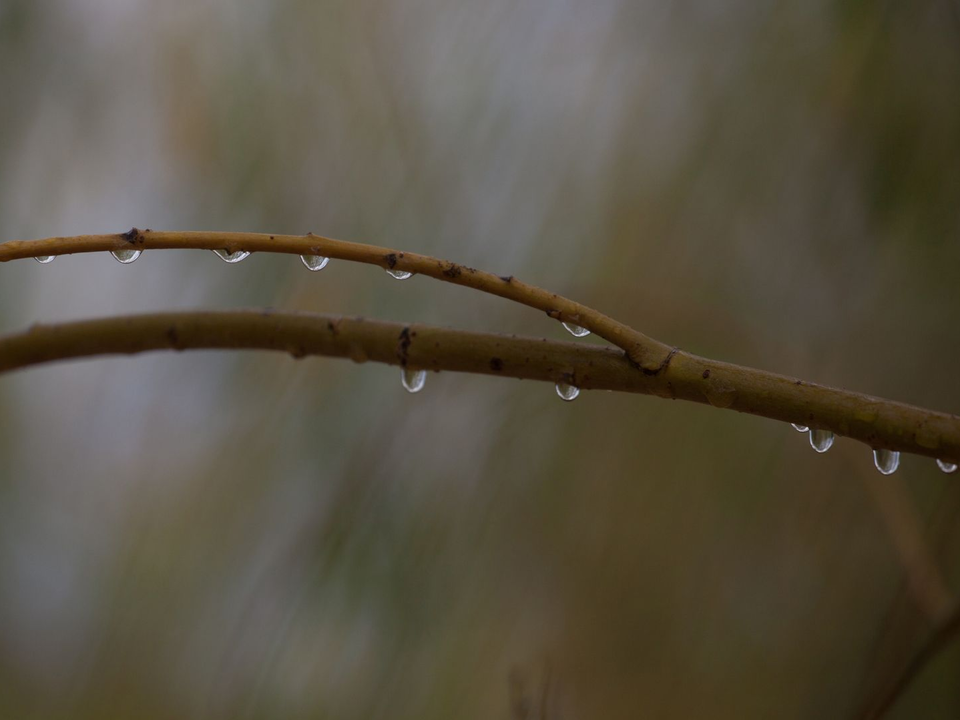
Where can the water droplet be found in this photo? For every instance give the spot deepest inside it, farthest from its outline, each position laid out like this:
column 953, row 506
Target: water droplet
column 575, row 330
column 947, row 467
column 721, row 395
column 567, row 391
column 413, row 380
column 821, row 440
column 399, row 274
column 800, row 428
column 314, row 262
column 887, row 461
column 232, row 257
column 126, row 256
column 44, row 259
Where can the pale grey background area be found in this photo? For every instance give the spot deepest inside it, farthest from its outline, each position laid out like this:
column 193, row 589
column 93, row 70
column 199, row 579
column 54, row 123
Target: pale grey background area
column 241, row 535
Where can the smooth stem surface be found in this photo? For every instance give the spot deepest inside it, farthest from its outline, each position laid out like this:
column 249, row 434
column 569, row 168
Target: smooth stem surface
column 877, row 422
column 650, row 355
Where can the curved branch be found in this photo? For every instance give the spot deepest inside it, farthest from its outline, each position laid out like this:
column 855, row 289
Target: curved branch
column 649, row 354
column 877, row 422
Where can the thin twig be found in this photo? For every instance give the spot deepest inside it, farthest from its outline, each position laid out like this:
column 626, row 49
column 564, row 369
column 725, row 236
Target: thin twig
column 877, row 422
column 650, row 355
column 942, row 635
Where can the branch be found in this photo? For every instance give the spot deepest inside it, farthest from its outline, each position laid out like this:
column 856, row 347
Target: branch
column 940, row 638
column 877, row 422
column 650, row 355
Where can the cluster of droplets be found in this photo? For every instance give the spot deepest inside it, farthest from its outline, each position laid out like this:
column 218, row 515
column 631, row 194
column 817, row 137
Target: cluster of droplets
column 886, row 461
column 820, row 440
column 124, row 257
column 568, row 391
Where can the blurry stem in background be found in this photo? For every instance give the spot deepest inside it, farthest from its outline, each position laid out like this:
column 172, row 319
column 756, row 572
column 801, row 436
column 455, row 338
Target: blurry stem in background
column 877, row 422
column 942, row 635
column 924, row 580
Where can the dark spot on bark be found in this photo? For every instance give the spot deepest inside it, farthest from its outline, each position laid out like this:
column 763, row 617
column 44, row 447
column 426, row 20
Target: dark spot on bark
column 174, row 337
column 309, row 234
column 391, row 259
column 555, row 314
column 496, row 364
column 271, row 237
column 799, row 382
column 133, row 235
column 403, row 346
column 333, row 326
column 706, row 374
column 452, row 270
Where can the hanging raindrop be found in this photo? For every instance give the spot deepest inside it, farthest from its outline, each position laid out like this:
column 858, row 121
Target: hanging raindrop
column 567, row 391
column 575, row 330
column 126, row 257
column 947, row 467
column 399, row 274
column 232, row 257
column 821, row 440
column 314, row 262
column 800, row 428
column 44, row 259
column 887, row 461
column 413, row 380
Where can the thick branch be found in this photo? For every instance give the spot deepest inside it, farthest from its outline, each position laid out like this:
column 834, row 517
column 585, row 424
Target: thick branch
column 877, row 422
column 648, row 354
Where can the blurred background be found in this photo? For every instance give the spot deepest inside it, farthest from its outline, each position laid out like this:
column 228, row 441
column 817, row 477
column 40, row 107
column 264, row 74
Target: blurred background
column 214, row 535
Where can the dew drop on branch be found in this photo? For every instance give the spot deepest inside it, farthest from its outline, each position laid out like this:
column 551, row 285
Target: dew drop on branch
column 887, row 461
column 947, row 467
column 44, row 259
column 314, row 262
column 567, row 391
column 821, row 440
column 800, row 428
column 232, row 257
column 413, row 380
column 126, row 257
column 399, row 274
column 575, row 330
